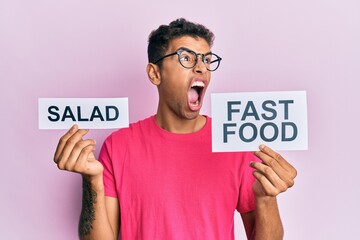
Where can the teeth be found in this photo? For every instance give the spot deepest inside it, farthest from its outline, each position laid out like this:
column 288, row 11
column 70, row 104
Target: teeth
column 197, row 84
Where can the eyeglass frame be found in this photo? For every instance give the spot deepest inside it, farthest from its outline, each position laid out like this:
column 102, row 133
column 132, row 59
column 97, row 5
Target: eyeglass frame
column 178, row 52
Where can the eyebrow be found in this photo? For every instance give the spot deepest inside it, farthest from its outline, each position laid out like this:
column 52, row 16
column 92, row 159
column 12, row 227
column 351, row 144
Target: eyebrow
column 187, row 49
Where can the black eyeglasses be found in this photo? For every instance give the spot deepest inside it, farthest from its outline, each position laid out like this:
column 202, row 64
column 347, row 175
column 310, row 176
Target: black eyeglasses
column 189, row 59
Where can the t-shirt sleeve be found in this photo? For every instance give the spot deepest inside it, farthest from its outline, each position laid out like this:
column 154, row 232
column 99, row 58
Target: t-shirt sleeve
column 108, row 175
column 246, row 201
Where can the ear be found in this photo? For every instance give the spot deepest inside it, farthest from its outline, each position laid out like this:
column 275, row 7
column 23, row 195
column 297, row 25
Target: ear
column 153, row 72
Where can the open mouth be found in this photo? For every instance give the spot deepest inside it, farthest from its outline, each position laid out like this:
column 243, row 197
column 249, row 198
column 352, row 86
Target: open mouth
column 195, row 93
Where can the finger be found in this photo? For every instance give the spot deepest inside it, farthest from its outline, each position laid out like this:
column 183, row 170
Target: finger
column 270, row 175
column 81, row 165
column 70, row 161
column 63, row 141
column 286, row 174
column 266, row 185
column 70, row 143
column 269, row 161
column 268, row 156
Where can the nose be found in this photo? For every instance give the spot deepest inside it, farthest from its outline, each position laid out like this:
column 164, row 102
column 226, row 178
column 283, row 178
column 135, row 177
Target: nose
column 200, row 65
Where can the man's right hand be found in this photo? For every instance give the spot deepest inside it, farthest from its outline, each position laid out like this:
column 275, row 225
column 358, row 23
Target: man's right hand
column 77, row 155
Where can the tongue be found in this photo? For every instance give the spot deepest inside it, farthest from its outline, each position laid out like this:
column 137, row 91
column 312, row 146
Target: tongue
column 193, row 96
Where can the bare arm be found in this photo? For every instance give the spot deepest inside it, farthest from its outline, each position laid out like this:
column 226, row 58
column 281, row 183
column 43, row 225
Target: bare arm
column 263, row 223
column 274, row 175
column 248, row 219
column 99, row 214
column 99, row 218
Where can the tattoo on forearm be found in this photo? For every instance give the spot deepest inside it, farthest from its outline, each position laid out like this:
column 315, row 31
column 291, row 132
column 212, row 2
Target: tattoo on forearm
column 87, row 216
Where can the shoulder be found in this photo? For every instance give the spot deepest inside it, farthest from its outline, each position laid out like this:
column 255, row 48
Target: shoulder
column 122, row 139
column 134, row 129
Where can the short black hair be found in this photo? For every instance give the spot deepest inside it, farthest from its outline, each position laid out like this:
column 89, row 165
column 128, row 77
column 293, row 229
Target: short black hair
column 160, row 38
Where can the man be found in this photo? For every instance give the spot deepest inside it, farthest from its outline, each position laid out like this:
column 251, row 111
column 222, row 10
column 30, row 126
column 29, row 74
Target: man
column 158, row 179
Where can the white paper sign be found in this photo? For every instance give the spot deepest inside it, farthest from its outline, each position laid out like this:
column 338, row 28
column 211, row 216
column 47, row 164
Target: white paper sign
column 243, row 121
column 90, row 113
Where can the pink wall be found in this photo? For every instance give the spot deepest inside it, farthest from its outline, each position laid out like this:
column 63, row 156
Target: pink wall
column 98, row 49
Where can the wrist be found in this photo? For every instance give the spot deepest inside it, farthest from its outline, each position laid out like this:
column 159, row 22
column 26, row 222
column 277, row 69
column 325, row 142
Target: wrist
column 265, row 201
column 96, row 182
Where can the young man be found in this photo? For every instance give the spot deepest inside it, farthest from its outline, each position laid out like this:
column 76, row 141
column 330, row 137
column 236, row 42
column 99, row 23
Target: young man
column 158, row 179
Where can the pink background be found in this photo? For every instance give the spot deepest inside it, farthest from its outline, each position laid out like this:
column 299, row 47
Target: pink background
column 98, row 49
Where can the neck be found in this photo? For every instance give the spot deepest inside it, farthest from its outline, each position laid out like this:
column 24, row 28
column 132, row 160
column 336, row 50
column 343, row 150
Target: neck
column 176, row 124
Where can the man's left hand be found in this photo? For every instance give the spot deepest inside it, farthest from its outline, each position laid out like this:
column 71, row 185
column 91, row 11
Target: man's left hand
column 274, row 174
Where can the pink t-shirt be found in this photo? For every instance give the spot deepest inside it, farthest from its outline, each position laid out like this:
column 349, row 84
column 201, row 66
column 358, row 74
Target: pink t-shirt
column 172, row 186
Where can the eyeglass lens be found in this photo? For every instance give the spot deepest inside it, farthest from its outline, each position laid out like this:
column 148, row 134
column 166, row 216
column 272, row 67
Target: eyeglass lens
column 188, row 59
